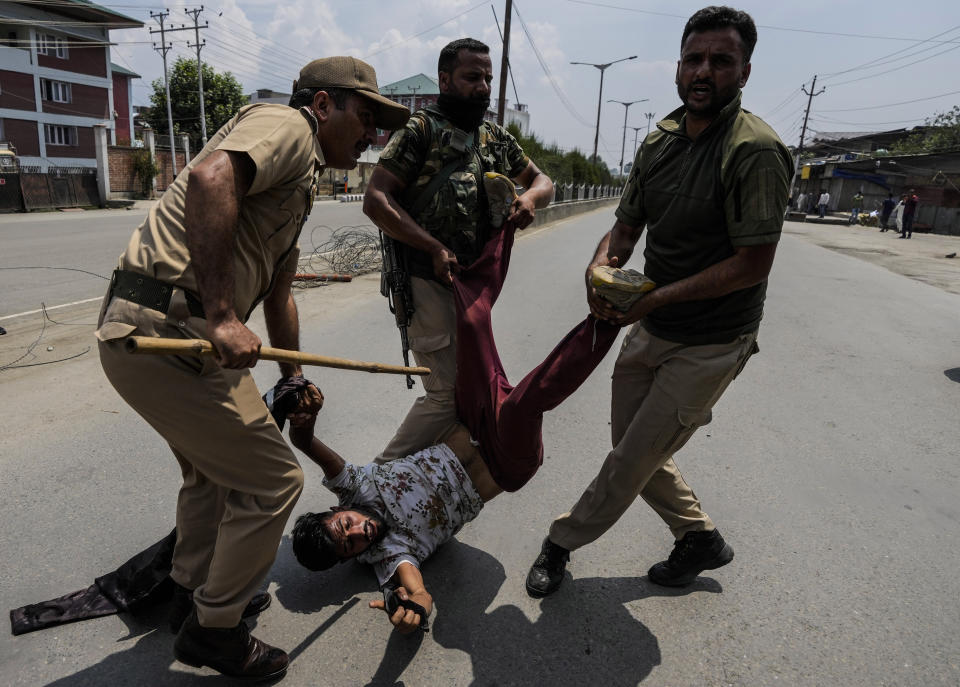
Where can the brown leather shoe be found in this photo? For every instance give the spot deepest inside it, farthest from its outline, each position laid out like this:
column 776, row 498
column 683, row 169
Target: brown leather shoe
column 231, row 651
column 182, row 604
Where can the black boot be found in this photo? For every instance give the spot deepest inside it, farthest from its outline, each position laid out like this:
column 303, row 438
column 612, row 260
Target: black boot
column 182, row 604
column 231, row 651
column 546, row 573
column 696, row 552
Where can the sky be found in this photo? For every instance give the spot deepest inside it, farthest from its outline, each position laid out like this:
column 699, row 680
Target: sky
column 885, row 64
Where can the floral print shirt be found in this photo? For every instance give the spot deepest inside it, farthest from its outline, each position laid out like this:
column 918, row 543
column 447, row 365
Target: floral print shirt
column 425, row 499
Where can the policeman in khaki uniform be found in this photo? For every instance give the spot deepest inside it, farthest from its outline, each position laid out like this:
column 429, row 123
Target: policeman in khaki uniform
column 450, row 228
column 221, row 240
column 710, row 186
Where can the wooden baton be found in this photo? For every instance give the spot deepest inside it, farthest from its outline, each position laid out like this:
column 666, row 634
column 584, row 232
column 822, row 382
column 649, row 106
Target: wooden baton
column 202, row 347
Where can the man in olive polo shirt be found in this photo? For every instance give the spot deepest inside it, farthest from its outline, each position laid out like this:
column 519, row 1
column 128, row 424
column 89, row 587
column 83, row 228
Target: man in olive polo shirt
column 710, row 185
column 221, row 240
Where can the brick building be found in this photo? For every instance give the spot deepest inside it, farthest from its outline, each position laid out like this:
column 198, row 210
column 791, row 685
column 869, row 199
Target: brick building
column 57, row 81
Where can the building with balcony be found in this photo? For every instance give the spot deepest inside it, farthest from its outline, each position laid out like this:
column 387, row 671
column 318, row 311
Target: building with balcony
column 57, row 81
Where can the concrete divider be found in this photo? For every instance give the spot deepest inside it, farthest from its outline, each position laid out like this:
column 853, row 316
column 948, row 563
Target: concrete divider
column 559, row 211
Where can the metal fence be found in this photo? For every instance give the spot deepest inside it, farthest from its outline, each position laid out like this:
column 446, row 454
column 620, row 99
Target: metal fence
column 569, row 192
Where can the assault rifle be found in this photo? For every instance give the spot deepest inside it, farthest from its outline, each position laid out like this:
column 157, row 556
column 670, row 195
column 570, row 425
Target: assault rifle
column 395, row 285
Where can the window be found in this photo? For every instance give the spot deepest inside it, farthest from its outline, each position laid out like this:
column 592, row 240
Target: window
column 57, row 91
column 58, row 135
column 52, row 45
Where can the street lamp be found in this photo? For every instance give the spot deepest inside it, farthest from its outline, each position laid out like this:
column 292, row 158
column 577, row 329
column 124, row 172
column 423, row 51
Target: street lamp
column 602, row 68
column 636, row 130
column 626, row 108
column 649, row 116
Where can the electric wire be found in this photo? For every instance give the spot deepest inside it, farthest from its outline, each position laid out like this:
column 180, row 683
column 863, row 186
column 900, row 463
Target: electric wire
column 881, row 60
column 427, row 30
column 895, row 69
column 546, row 70
column 902, row 102
column 764, row 26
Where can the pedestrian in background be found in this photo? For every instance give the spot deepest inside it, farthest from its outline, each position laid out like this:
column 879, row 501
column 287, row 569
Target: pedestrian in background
column 909, row 211
column 886, row 210
column 857, row 207
column 823, row 202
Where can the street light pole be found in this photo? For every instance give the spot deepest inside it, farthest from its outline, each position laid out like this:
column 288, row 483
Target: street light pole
column 636, row 131
column 626, row 108
column 649, row 116
column 602, row 68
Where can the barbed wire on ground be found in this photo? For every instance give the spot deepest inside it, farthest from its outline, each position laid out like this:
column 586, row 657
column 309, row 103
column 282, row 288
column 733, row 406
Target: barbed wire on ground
column 350, row 250
column 12, row 365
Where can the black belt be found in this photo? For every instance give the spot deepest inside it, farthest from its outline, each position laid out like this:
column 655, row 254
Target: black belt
column 149, row 292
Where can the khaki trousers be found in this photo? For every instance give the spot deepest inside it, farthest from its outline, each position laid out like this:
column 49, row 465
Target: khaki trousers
column 433, row 340
column 662, row 393
column 240, row 479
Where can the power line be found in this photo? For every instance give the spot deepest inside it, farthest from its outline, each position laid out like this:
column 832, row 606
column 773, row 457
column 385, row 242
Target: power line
column 417, row 35
column 762, row 26
column 546, row 70
column 895, row 69
column 880, row 61
column 789, row 98
column 902, row 102
column 895, row 121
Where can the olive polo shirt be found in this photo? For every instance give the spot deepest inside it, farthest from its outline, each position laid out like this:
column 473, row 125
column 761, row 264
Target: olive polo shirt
column 700, row 200
column 282, row 144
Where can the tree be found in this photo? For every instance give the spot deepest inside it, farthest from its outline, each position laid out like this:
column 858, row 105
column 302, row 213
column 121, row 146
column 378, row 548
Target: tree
column 572, row 167
column 222, row 97
column 941, row 133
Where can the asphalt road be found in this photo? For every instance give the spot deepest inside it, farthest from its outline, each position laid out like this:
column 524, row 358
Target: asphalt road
column 831, row 466
column 63, row 257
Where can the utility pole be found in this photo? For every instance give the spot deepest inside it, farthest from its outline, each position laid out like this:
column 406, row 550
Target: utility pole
column 509, row 68
column 504, row 63
column 198, row 45
column 626, row 109
column 602, row 68
column 810, row 95
column 163, row 50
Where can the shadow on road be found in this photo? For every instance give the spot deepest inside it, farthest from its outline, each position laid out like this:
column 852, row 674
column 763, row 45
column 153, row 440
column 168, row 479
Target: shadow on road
column 953, row 374
column 584, row 635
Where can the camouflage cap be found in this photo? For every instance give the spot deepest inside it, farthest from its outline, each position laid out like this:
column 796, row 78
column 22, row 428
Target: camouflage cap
column 358, row 76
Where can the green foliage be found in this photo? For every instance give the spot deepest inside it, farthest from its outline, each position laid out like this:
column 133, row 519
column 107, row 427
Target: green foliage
column 145, row 169
column 572, row 167
column 942, row 133
column 222, row 97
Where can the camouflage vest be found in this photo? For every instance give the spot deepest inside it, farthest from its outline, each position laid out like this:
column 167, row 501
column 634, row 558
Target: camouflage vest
column 457, row 215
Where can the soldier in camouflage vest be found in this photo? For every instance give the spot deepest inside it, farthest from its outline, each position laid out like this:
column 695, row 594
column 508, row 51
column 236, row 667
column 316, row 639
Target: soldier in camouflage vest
column 452, row 141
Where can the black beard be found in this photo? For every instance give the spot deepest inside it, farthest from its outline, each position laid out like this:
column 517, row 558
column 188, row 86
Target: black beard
column 465, row 113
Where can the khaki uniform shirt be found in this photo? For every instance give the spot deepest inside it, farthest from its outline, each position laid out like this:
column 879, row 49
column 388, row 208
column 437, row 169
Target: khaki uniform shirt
column 281, row 142
column 700, row 200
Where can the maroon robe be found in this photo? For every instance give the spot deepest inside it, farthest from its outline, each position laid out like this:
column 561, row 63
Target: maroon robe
column 506, row 420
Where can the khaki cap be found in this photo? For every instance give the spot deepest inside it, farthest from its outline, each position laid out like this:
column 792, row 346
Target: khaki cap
column 358, row 76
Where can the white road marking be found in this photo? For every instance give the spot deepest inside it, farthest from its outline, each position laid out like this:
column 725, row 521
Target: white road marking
column 52, row 307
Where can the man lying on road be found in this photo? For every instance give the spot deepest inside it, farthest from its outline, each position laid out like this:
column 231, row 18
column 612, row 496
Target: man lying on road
column 395, row 515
